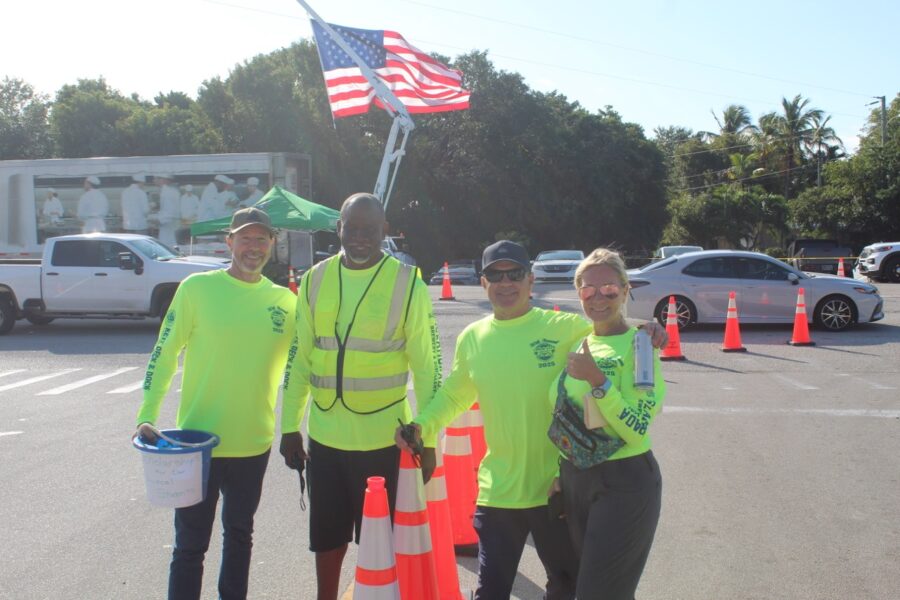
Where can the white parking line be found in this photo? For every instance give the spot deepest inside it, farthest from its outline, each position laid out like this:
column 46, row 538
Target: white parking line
column 83, row 382
column 797, row 384
column 872, row 384
column 2, row 433
column 125, row 389
column 13, row 372
column 828, row 412
column 25, row 382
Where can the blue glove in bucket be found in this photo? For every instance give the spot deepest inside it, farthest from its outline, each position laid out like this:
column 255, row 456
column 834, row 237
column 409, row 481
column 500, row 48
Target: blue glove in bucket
column 176, row 467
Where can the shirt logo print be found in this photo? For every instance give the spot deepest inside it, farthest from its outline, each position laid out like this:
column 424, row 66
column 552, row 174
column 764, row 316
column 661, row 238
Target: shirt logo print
column 278, row 316
column 544, row 350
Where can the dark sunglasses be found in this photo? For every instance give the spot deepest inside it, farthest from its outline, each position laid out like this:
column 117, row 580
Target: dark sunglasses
column 493, row 276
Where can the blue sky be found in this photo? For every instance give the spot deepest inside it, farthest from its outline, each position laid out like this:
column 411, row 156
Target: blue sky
column 657, row 62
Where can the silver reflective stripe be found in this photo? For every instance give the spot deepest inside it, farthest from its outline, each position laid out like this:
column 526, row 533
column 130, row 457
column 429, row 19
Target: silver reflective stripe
column 360, row 384
column 362, row 344
column 315, row 284
column 398, row 299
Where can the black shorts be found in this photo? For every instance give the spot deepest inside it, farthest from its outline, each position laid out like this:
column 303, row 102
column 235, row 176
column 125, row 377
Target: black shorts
column 337, row 488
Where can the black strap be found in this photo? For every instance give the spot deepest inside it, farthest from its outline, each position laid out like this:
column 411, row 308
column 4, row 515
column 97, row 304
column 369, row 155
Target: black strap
column 342, row 343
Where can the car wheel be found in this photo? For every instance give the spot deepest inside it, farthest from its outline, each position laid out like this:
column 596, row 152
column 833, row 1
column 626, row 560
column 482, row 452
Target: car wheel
column 684, row 309
column 835, row 313
column 892, row 270
column 7, row 316
column 39, row 319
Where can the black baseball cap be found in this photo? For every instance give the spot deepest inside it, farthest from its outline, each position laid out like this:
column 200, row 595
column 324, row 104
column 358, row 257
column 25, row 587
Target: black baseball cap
column 250, row 216
column 505, row 250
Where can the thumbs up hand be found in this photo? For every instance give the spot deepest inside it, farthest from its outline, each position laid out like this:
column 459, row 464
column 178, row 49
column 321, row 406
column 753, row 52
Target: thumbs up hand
column 581, row 365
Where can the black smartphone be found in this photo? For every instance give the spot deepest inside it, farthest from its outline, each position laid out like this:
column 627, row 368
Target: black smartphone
column 555, row 506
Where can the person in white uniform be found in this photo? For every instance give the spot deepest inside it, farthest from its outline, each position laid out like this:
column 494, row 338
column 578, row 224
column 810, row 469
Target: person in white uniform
column 215, row 194
column 254, row 194
column 135, row 206
column 52, row 209
column 169, row 209
column 190, row 205
column 93, row 206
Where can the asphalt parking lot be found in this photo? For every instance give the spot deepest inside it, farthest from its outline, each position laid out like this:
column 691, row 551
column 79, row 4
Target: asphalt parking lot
column 781, row 468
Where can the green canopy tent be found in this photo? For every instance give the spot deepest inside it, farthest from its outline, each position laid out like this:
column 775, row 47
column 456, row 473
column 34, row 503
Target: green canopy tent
column 287, row 211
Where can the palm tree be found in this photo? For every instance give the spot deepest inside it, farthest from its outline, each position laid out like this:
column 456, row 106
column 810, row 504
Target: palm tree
column 821, row 135
column 795, row 129
column 734, row 126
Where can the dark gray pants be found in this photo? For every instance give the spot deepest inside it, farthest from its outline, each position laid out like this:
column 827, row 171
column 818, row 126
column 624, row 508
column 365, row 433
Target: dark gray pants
column 612, row 510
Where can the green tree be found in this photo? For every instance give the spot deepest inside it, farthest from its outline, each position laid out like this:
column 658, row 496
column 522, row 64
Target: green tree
column 85, row 117
column 795, row 130
column 739, row 218
column 24, row 130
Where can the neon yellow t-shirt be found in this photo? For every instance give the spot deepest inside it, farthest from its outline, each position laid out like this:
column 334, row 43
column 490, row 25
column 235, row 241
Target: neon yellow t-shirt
column 236, row 337
column 339, row 427
column 508, row 366
column 627, row 411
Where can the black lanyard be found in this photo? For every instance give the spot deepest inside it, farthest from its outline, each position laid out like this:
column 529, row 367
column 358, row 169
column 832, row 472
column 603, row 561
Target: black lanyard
column 342, row 343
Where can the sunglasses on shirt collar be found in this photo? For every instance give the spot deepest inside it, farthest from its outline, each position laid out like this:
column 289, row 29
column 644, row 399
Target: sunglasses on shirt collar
column 496, row 275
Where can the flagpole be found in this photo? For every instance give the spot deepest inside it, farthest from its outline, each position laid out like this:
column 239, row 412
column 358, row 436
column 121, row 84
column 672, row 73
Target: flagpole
column 389, row 101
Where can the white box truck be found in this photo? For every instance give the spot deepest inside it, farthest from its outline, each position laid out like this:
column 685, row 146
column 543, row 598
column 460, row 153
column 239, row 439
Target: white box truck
column 40, row 199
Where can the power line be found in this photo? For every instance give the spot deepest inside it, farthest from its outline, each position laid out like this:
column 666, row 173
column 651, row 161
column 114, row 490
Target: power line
column 574, row 69
column 631, row 49
column 751, row 178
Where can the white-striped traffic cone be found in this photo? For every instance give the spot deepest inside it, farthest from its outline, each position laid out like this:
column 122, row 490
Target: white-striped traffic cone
column 412, row 537
column 376, row 570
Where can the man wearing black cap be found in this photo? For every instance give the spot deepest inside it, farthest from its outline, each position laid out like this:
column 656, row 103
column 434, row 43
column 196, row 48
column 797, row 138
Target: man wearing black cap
column 235, row 327
column 507, row 361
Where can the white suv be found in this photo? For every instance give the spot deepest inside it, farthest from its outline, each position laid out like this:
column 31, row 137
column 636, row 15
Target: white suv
column 880, row 261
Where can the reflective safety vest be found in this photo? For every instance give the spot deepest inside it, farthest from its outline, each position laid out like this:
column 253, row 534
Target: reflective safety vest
column 368, row 370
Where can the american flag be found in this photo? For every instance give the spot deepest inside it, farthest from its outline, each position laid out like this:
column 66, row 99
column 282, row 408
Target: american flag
column 421, row 83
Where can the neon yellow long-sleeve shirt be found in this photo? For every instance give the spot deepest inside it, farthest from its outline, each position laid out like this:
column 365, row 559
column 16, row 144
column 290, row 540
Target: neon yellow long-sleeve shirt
column 235, row 336
column 627, row 411
column 508, row 366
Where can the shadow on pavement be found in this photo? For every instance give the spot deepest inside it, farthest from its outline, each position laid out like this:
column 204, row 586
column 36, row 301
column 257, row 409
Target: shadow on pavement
column 73, row 336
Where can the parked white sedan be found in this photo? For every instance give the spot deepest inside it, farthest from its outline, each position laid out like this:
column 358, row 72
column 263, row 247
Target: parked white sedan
column 766, row 291
column 556, row 265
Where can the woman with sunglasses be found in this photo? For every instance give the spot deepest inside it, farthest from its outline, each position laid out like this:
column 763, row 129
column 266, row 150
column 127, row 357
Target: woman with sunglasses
column 612, row 507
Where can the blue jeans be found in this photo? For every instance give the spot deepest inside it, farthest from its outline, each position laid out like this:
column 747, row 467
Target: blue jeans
column 502, row 533
column 240, row 482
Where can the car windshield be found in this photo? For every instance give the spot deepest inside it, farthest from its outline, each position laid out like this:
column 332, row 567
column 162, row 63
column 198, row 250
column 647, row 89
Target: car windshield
column 668, row 251
column 561, row 255
column 155, row 249
column 655, row 265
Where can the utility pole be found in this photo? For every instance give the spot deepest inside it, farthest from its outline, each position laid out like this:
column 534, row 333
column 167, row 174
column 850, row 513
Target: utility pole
column 883, row 100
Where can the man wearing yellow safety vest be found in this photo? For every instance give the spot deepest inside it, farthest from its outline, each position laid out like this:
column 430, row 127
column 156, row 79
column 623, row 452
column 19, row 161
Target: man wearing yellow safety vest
column 364, row 321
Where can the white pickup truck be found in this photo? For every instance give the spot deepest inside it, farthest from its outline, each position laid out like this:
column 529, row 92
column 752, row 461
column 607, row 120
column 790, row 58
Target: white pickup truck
column 95, row 276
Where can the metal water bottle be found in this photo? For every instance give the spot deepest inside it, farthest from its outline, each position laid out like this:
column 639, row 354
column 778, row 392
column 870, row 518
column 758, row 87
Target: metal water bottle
column 643, row 361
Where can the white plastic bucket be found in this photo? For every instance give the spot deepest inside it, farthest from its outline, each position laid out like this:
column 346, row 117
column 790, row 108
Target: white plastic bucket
column 176, row 466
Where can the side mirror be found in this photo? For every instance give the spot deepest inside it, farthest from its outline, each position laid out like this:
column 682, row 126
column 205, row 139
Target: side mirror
column 126, row 261
column 792, row 277
column 130, row 262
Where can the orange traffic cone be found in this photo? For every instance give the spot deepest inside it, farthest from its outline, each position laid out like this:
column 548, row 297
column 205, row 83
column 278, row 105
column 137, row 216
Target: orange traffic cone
column 442, row 532
column 292, row 282
column 476, row 436
column 801, row 326
column 412, row 537
column 376, row 571
column 446, row 290
column 732, row 341
column 462, row 488
column 841, row 272
column 672, row 351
